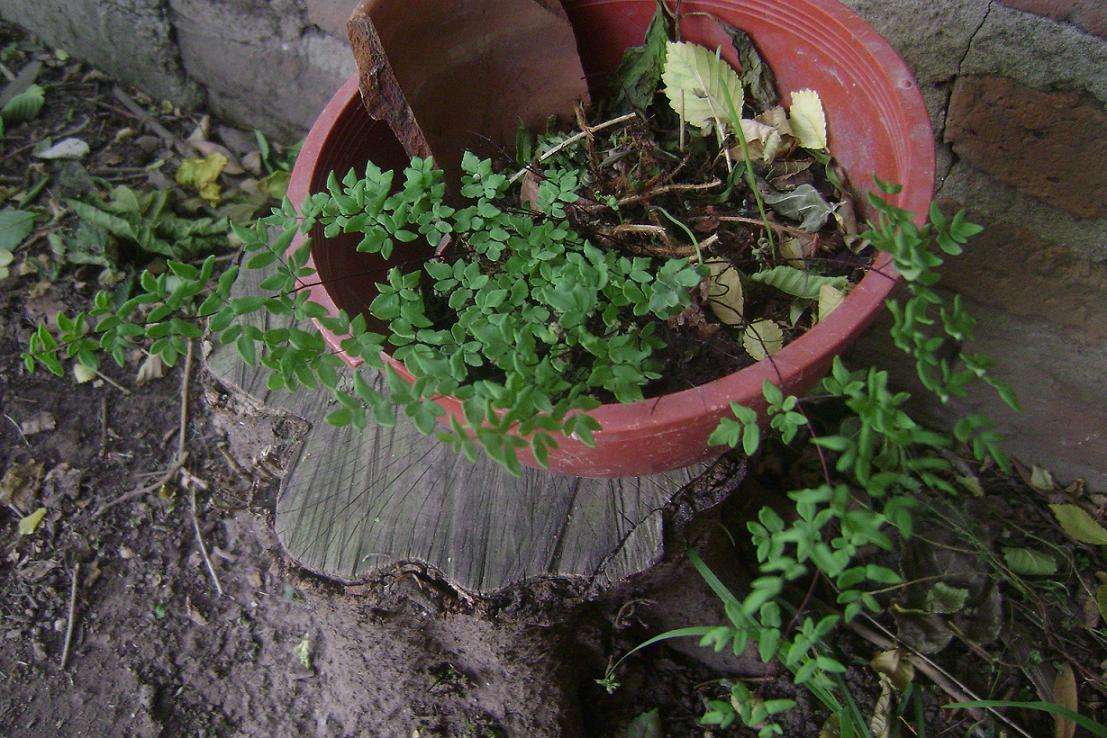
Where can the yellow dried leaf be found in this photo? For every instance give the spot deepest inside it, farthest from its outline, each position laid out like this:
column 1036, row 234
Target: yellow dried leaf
column 29, row 523
column 1064, row 694
column 82, row 374
column 762, row 141
column 1040, row 479
column 808, row 119
column 793, row 251
column 830, row 297
column 725, row 292
column 762, row 339
column 697, row 85
column 202, row 175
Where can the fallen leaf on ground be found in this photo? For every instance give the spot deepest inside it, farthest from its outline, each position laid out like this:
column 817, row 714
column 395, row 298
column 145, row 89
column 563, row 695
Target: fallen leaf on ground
column 202, row 175
column 808, row 119
column 943, row 599
column 37, row 423
column 15, row 225
column 804, row 205
column 152, row 368
column 1080, row 525
column 82, row 374
column 762, row 141
column 1064, row 694
column 1040, row 479
column 302, row 651
column 69, row 148
column 1028, row 562
column 646, row 725
column 29, row 523
column 21, row 483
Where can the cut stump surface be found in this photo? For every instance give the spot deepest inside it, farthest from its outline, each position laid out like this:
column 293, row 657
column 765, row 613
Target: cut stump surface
column 355, row 504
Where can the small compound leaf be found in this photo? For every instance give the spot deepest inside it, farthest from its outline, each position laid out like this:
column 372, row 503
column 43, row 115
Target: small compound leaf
column 697, row 84
column 944, row 599
column 808, row 119
column 1029, row 563
column 29, row 523
column 762, row 339
column 725, row 293
column 1080, row 525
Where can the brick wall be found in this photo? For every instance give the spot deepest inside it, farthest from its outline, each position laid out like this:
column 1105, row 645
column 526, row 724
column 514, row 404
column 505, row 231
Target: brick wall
column 1016, row 88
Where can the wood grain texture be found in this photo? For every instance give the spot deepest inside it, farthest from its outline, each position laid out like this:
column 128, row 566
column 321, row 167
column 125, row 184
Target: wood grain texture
column 356, row 503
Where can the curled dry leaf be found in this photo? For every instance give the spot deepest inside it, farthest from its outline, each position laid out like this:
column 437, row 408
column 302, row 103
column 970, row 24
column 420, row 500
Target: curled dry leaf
column 82, row 374
column 152, row 368
column 762, row 141
column 762, row 339
column 725, row 294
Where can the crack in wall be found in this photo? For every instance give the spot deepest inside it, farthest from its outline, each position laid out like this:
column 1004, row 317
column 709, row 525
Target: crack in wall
column 941, row 135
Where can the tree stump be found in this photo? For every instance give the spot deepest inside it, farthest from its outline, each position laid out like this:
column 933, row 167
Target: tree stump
column 355, row 504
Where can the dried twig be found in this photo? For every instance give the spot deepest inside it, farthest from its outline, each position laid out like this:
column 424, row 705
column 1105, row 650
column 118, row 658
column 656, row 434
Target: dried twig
column 200, row 543
column 946, row 681
column 572, row 140
column 19, row 429
column 666, row 189
column 113, row 383
column 143, row 491
column 151, row 122
column 185, row 380
column 72, row 616
column 103, row 425
column 778, row 227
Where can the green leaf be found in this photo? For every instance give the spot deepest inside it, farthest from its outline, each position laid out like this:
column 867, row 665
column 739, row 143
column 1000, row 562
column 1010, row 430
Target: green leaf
column 695, row 80
column 639, row 74
column 15, row 225
column 798, row 282
column 1028, row 562
column 1080, row 525
column 946, row 600
column 24, row 106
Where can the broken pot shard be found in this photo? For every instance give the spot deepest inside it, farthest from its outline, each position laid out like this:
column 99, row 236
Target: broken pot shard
column 451, row 75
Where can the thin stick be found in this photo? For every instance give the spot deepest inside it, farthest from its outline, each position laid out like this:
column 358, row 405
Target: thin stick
column 150, row 121
column 664, row 190
column 765, row 224
column 104, row 425
column 572, row 140
column 72, row 616
column 185, row 379
column 113, row 383
column 143, row 491
column 19, row 429
column 935, row 673
column 200, row 543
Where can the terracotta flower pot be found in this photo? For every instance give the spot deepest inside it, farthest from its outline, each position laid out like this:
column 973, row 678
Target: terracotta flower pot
column 878, row 125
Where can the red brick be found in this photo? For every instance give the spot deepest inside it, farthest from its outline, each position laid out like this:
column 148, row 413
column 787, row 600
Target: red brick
column 1049, row 145
column 1088, row 15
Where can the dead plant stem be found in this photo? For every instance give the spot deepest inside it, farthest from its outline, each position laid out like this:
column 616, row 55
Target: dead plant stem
column 200, row 542
column 72, row 616
column 572, row 140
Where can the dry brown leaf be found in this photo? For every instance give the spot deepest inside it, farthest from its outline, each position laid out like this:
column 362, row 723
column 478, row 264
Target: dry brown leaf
column 1064, row 694
column 725, row 295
